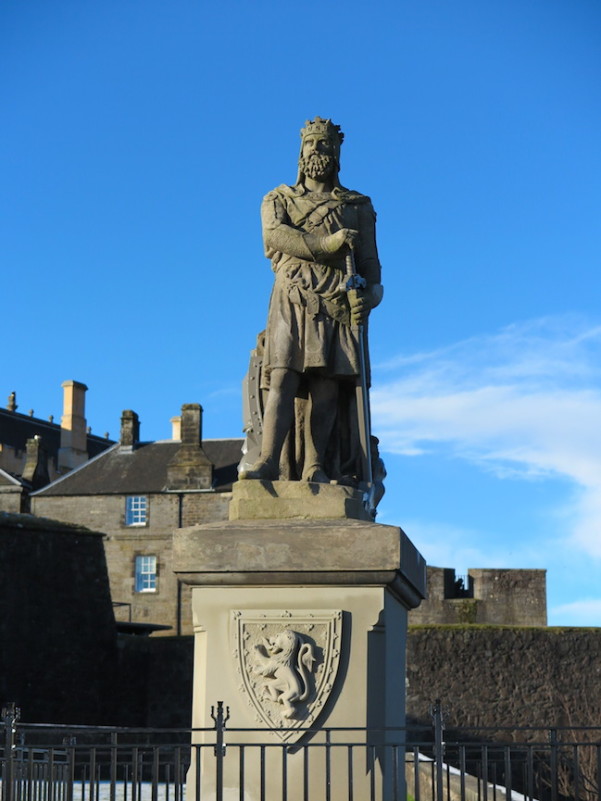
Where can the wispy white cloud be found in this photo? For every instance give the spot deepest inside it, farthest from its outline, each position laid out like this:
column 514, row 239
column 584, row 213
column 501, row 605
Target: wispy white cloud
column 445, row 545
column 577, row 613
column 230, row 391
column 522, row 403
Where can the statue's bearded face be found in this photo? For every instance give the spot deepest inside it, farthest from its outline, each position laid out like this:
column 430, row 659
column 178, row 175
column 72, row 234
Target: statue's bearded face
column 317, row 166
column 317, row 157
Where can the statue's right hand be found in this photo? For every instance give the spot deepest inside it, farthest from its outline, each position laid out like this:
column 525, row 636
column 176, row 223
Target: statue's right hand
column 333, row 242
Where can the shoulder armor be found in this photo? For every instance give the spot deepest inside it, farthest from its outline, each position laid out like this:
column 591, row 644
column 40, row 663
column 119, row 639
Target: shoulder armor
column 273, row 212
column 281, row 191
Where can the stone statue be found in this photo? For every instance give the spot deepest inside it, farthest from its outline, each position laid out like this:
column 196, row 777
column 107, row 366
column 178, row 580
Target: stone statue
column 311, row 354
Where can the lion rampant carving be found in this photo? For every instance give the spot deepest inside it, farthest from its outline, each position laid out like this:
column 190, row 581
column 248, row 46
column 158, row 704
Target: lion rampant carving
column 286, row 662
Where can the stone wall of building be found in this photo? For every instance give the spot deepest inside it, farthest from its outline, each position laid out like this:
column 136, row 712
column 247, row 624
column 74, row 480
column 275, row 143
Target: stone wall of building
column 501, row 675
column 11, row 499
column 58, row 658
column 503, row 597
column 170, row 604
column 201, row 508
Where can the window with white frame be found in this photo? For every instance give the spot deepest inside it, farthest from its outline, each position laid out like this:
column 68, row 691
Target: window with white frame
column 146, row 574
column 135, row 510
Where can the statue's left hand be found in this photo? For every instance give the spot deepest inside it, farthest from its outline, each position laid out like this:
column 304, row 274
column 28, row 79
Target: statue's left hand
column 359, row 306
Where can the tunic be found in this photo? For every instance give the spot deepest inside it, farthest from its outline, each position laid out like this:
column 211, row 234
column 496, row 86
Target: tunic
column 308, row 324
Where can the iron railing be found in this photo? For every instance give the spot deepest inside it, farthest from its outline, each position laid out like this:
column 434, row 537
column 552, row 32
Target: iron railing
column 429, row 763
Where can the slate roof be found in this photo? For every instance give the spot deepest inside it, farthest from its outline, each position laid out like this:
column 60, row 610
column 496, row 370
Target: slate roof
column 8, row 479
column 17, row 428
column 144, row 470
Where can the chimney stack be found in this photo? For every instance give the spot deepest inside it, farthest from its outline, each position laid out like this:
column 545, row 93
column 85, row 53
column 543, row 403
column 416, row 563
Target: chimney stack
column 190, row 468
column 191, row 424
column 74, row 445
column 130, row 430
column 36, row 463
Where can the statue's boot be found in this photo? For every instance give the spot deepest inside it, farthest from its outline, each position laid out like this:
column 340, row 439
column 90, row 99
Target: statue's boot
column 315, row 474
column 263, row 469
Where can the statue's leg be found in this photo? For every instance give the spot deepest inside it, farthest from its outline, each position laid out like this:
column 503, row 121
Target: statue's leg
column 324, row 400
column 278, row 417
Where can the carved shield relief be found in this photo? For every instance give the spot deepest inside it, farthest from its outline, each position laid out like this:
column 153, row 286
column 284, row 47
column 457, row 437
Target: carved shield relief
column 287, row 663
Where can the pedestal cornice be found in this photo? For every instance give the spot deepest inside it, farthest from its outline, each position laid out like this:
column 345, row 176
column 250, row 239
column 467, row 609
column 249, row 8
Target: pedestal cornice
column 301, row 552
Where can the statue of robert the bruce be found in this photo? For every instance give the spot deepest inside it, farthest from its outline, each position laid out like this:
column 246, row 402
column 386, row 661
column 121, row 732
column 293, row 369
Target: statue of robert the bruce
column 311, row 348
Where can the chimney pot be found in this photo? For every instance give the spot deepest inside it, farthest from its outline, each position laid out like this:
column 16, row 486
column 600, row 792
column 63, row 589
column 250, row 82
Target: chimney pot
column 176, row 428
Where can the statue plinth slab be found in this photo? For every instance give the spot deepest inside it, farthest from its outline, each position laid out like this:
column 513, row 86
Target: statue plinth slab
column 338, row 592
column 295, row 500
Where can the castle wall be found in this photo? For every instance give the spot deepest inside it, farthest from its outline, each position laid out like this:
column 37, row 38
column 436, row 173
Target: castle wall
column 484, row 676
column 496, row 675
column 491, row 596
column 57, row 631
column 155, row 687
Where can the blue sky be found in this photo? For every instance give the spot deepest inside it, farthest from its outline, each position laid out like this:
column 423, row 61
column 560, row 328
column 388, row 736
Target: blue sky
column 137, row 140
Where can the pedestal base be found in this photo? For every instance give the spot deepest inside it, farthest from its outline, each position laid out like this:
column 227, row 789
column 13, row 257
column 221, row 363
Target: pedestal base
column 363, row 692
column 337, row 592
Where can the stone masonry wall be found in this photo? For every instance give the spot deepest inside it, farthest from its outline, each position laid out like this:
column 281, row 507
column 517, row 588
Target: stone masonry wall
column 501, row 675
column 204, row 508
column 58, row 658
column 11, row 499
column 155, row 687
column 503, row 597
column 484, row 676
column 171, row 604
column 511, row 597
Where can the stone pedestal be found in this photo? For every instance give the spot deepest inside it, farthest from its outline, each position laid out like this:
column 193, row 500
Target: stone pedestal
column 339, row 590
column 295, row 500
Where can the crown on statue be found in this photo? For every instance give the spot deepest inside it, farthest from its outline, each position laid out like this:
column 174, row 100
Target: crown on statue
column 323, row 128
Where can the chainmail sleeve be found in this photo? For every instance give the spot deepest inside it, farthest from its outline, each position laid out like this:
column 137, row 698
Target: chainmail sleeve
column 278, row 235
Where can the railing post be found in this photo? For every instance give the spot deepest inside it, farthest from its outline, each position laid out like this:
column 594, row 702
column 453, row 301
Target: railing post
column 553, row 762
column 10, row 716
column 70, row 743
column 220, row 719
column 438, row 723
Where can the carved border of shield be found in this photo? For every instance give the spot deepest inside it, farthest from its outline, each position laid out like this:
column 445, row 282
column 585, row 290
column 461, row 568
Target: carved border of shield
column 321, row 628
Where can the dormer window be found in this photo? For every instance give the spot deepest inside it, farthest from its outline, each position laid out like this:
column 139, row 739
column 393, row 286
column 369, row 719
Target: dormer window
column 136, row 510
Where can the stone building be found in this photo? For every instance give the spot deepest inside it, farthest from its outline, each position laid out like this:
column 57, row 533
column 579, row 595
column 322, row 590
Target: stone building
column 485, row 596
column 137, row 493
column 34, row 452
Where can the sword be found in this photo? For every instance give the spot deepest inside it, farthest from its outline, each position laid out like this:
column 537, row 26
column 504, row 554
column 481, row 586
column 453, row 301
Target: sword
column 356, row 281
